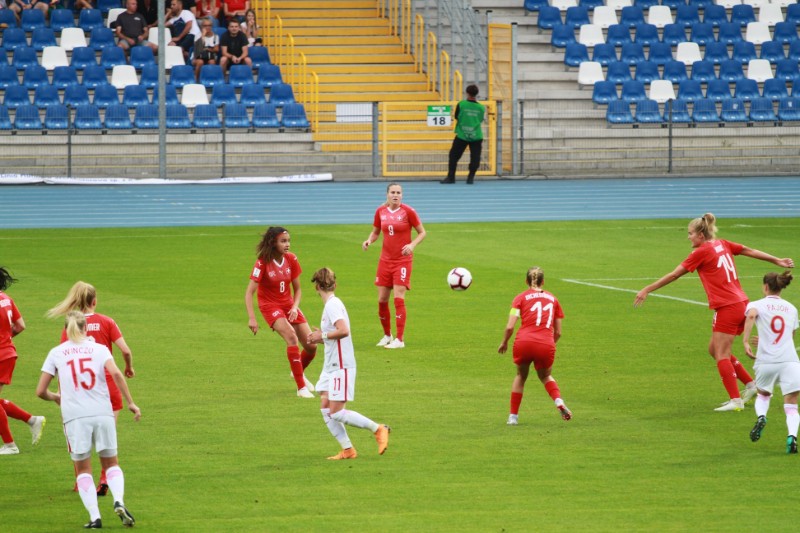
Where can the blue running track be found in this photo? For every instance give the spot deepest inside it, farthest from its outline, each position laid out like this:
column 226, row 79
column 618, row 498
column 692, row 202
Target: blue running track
column 57, row 206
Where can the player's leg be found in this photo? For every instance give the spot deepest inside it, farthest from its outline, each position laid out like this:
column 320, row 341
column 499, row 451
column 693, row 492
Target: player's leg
column 309, row 351
column 551, row 386
column 106, row 443
column 86, row 488
column 475, row 149
column 337, row 429
column 384, row 314
column 400, row 313
column 518, row 386
column 765, row 381
column 720, row 349
column 790, row 381
column 341, row 391
column 287, row 333
column 9, row 447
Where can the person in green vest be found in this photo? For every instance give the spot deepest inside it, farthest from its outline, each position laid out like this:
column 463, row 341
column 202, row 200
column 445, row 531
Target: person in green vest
column 469, row 117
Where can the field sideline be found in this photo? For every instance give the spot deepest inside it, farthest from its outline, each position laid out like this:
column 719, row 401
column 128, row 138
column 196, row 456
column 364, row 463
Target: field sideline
column 225, row 445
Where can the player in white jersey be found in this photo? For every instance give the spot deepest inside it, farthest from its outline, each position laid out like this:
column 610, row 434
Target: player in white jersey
column 337, row 382
column 776, row 357
column 81, row 366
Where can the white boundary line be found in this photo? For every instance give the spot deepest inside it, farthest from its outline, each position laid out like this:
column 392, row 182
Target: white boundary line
column 610, row 288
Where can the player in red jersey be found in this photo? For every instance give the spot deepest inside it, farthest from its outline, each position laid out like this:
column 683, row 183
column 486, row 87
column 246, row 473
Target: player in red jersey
column 541, row 316
column 712, row 258
column 395, row 220
column 103, row 330
column 276, row 275
column 11, row 325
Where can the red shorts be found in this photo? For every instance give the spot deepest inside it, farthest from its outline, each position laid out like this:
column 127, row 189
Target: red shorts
column 730, row 319
column 272, row 314
column 7, row 370
column 394, row 273
column 540, row 354
column 114, row 392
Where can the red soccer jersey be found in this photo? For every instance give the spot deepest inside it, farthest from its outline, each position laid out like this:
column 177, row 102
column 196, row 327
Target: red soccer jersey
column 275, row 280
column 101, row 329
column 8, row 315
column 538, row 311
column 396, row 228
column 713, row 261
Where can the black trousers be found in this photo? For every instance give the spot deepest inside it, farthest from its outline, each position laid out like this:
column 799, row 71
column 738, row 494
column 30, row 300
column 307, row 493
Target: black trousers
column 457, row 150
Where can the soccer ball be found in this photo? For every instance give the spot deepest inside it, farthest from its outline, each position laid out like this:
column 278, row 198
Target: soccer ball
column 459, row 279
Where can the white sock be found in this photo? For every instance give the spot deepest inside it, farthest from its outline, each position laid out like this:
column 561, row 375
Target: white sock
column 88, row 495
column 792, row 418
column 337, row 429
column 762, row 404
column 116, row 483
column 352, row 418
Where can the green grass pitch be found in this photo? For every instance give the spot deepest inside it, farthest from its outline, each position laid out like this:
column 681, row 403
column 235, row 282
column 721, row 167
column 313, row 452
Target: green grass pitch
column 225, row 445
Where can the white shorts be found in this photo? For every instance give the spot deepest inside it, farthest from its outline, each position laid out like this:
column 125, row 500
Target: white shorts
column 83, row 432
column 787, row 375
column 339, row 384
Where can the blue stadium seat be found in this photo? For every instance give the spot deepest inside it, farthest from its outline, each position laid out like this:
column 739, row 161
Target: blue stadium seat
column 146, row 117
column 8, row 76
column 604, row 54
column 149, row 76
column 718, row 90
column 56, row 117
column 687, row 15
column 548, row 17
column 619, row 112
column 729, row 33
column 591, row 4
column 576, row 17
column 42, row 37
column 746, row 89
column 76, row 95
column 107, row 5
column 535, row 5
column 618, row 72
column 140, row 56
column 792, row 14
column 701, row 3
column 660, row 53
column 34, row 76
column 294, row 116
column 618, row 35
column 794, row 50
column 240, row 75
column 730, row 70
column 281, row 94
column 5, row 120
column 673, row 4
column 632, row 53
column 206, row 117
column 679, row 111
column 716, row 52
column 223, row 94
column 112, row 56
column 742, row 14
column 252, row 94
column 135, row 95
column 633, row 91
column 211, row 75
column 87, row 117
column 63, row 77
column 788, row 109
column 15, row 96
column 178, row 117
column 604, row 92
column 27, row 115
column 690, row 91
column 105, row 95
column 715, row 15
column 647, row 112
column 181, row 75
column 775, row 89
column 265, row 116
column 94, row 75
column 61, row 18
column 772, row 51
column 673, row 34
column 170, row 95
column 631, row 16
column 575, row 54
column 259, row 55
column 235, row 116
column 743, row 52
column 32, row 19
column 785, row 32
column 733, row 111
column 14, row 38
column 646, row 34
column 269, row 75
column 762, row 110
column 82, row 56
column 561, row 36
column 8, row 18
column 786, row 69
column 118, row 117
column 646, row 72
column 702, row 33
column 703, row 71
column 675, row 71
column 90, row 20
column 645, row 4
column 46, row 95
column 705, row 111
column 101, row 38
column 24, row 57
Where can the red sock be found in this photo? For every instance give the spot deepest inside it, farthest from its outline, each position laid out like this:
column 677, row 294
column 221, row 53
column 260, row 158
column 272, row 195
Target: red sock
column 552, row 389
column 400, row 316
column 516, row 399
column 103, row 480
column 14, row 411
column 293, row 354
column 5, row 431
column 741, row 372
column 386, row 318
column 306, row 358
column 728, row 375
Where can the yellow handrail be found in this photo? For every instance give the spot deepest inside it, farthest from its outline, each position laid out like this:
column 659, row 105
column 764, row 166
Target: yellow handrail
column 444, row 90
column 419, row 35
column 431, row 60
column 406, row 33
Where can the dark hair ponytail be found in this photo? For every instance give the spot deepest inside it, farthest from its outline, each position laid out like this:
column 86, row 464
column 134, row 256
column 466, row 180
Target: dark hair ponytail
column 777, row 282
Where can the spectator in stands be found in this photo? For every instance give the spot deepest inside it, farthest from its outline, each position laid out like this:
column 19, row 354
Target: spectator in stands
column 18, row 6
column 183, row 25
column 235, row 9
column 206, row 48
column 132, row 28
column 233, row 44
column 83, row 4
column 149, row 10
column 208, row 8
column 469, row 116
column 250, row 28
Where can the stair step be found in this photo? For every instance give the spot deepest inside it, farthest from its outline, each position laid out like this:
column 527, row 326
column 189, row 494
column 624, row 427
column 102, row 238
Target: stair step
column 399, row 78
column 372, row 50
column 314, row 31
column 332, row 13
column 321, row 6
column 329, row 59
column 376, row 85
column 288, row 24
column 339, row 41
column 379, row 97
column 344, row 68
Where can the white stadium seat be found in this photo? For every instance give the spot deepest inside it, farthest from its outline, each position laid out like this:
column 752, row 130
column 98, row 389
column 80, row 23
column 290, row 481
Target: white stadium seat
column 659, row 16
column 688, row 53
column 72, row 38
column 123, row 75
column 759, row 70
column 757, row 33
column 590, row 35
column 194, row 95
column 590, row 72
column 770, row 14
column 604, row 16
column 54, row 56
column 661, row 91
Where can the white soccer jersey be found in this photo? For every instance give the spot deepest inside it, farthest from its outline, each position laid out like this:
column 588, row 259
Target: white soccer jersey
column 339, row 353
column 776, row 323
column 80, row 369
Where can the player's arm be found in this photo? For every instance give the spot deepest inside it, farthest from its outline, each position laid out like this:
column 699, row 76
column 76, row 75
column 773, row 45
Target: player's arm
column 408, row 249
column 679, row 271
column 252, row 323
column 42, row 390
column 373, row 236
column 557, row 329
column 127, row 355
column 297, row 293
column 119, row 379
column 341, row 331
column 513, row 316
column 748, row 329
column 17, row 327
column 763, row 256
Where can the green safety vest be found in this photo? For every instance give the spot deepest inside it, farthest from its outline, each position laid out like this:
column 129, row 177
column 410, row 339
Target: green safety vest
column 469, row 117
